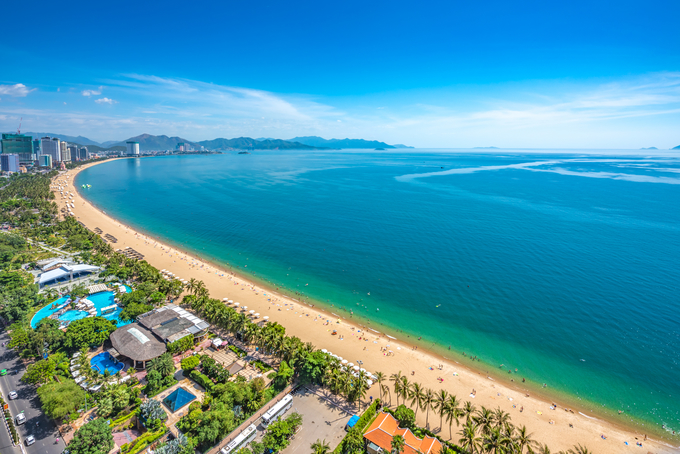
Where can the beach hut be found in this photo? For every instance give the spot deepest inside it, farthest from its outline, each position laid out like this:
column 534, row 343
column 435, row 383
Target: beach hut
column 217, row 342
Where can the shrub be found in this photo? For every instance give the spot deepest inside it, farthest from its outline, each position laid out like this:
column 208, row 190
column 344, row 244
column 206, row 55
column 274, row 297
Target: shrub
column 190, row 363
column 181, row 345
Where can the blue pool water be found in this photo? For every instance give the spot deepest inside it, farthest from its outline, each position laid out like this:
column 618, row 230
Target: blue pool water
column 100, row 300
column 104, row 361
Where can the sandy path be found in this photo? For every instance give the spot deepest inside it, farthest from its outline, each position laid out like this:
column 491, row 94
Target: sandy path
column 309, row 325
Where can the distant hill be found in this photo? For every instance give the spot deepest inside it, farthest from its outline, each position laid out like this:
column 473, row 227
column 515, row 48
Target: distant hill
column 79, row 139
column 147, row 142
column 650, row 148
column 246, row 143
column 342, row 143
column 676, row 148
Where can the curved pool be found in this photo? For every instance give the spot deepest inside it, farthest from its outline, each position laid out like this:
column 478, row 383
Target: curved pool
column 100, row 300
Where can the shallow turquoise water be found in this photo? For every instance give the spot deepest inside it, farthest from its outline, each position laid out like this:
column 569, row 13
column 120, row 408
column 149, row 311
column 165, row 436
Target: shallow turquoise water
column 562, row 266
column 104, row 361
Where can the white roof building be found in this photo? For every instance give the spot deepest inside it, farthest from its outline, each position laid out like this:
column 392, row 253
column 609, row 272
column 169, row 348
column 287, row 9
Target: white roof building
column 66, row 271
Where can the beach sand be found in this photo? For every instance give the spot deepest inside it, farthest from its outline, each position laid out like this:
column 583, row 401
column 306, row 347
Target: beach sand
column 309, row 324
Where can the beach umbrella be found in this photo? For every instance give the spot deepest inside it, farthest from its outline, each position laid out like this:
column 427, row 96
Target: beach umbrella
column 236, row 304
column 344, row 361
column 369, row 383
column 252, row 312
column 323, row 350
column 350, row 365
column 225, row 299
column 230, row 301
column 257, row 315
column 266, row 317
column 356, row 368
column 363, row 370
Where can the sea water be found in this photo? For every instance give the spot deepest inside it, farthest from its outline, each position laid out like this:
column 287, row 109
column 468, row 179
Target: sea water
column 562, row 265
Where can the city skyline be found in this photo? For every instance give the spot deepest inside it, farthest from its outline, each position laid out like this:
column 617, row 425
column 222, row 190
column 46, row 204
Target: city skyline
column 491, row 74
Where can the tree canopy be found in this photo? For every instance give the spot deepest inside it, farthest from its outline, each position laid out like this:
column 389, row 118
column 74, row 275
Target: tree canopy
column 61, row 399
column 88, row 332
column 92, row 438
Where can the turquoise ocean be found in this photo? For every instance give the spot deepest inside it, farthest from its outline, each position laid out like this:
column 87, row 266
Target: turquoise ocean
column 564, row 265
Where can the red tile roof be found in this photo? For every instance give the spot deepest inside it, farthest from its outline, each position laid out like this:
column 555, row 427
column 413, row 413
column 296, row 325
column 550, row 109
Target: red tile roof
column 385, row 427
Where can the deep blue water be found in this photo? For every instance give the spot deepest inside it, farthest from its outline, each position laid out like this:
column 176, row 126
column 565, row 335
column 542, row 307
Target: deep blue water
column 563, row 266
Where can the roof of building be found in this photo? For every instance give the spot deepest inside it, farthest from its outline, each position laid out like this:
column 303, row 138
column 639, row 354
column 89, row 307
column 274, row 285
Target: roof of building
column 171, row 322
column 235, row 368
column 385, row 427
column 178, row 399
column 64, row 271
column 137, row 342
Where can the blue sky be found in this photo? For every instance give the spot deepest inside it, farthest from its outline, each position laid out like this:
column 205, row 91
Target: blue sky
column 431, row 74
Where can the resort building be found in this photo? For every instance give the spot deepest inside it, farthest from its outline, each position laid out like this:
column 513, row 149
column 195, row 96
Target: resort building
column 145, row 339
column 9, row 162
column 65, row 273
column 18, row 144
column 132, row 148
column 379, row 438
column 65, row 152
column 84, row 154
column 45, row 160
column 51, row 146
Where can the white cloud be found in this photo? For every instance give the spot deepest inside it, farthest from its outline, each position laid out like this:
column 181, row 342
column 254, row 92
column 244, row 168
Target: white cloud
column 89, row 93
column 105, row 101
column 16, row 90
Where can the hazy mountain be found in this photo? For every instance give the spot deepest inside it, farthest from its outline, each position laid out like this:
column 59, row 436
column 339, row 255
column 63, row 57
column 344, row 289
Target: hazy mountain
column 148, row 142
column 79, row 139
column 676, row 148
column 340, row 143
column 650, row 148
column 398, row 145
column 246, row 143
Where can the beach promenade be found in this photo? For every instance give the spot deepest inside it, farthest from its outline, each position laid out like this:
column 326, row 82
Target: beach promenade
column 558, row 428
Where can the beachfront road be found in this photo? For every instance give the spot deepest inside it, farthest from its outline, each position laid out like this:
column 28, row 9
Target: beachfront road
column 45, row 432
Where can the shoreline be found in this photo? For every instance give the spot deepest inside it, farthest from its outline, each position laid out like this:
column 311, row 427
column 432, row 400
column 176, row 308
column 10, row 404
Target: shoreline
column 509, row 397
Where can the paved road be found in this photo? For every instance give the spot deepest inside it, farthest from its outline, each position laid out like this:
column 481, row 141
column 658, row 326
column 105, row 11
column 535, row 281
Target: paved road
column 45, row 432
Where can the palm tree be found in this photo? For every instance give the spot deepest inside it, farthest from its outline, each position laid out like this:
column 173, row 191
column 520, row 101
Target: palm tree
column 428, row 403
column 501, row 418
column 484, row 419
column 320, row 447
column 396, row 378
column 379, row 379
column 469, row 439
column 440, row 405
column 398, row 444
column 406, row 389
column 417, row 395
column 453, row 412
column 578, row 449
column 524, row 439
column 495, row 442
column 468, row 410
column 543, row 449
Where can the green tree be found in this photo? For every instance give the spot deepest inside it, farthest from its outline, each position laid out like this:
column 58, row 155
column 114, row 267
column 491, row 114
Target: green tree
column 164, row 364
column 88, row 332
column 190, row 363
column 320, row 447
column 405, row 416
column 283, row 376
column 398, row 444
column 61, row 399
column 134, row 310
column 92, row 438
column 39, row 372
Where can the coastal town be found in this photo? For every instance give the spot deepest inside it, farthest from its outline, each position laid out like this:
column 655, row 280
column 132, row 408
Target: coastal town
column 115, row 342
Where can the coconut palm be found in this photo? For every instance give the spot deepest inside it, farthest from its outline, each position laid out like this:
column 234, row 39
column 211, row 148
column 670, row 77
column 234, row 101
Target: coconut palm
column 495, row 442
column 524, row 439
column 500, row 418
column 417, row 395
column 469, row 440
column 320, row 447
column 542, row 449
column 398, row 444
column 428, row 403
column 484, row 419
column 578, row 449
column 396, row 378
column 380, row 379
column 440, row 405
column 452, row 411
column 468, row 411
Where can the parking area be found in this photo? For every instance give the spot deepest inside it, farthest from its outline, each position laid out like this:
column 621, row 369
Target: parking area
column 320, row 420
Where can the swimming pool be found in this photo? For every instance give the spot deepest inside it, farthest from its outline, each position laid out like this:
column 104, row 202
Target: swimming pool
column 100, row 300
column 104, row 361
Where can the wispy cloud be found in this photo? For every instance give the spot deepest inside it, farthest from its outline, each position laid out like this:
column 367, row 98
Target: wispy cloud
column 16, row 90
column 105, row 101
column 89, row 93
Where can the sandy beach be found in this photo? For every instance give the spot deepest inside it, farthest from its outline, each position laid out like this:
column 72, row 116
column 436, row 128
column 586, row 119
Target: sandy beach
column 558, row 428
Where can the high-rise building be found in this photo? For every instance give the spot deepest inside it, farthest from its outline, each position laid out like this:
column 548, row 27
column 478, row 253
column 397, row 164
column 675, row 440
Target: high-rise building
column 45, row 160
column 73, row 152
column 52, row 147
column 132, row 148
column 83, row 154
column 37, row 150
column 65, row 153
column 18, row 144
column 9, row 162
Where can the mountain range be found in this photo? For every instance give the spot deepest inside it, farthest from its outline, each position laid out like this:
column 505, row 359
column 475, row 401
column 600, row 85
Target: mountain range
column 316, row 141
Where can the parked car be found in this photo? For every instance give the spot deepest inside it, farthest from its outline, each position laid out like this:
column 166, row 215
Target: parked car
column 20, row 419
column 30, row 440
column 3, row 372
column 13, row 395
